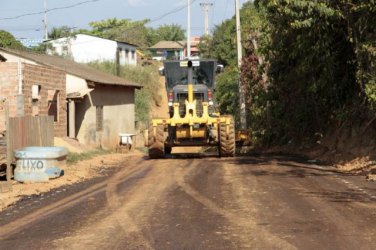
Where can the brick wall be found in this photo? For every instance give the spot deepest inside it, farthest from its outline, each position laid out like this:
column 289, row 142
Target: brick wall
column 49, row 79
column 8, row 89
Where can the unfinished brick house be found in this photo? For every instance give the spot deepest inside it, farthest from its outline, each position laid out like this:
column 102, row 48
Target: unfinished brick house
column 94, row 107
column 33, row 90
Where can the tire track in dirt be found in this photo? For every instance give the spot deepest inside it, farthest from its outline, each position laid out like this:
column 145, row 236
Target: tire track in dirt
column 246, row 224
column 59, row 206
column 129, row 211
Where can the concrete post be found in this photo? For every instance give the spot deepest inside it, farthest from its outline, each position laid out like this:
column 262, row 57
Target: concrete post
column 130, row 56
column 72, row 119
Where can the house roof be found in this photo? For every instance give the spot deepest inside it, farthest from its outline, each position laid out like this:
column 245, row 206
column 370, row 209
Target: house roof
column 168, row 45
column 73, row 68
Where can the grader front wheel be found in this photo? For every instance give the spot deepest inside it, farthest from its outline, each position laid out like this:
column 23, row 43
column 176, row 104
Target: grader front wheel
column 156, row 142
column 226, row 140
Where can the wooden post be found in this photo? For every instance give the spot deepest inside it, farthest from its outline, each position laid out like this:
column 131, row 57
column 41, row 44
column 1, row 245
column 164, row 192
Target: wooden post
column 9, row 151
column 7, row 186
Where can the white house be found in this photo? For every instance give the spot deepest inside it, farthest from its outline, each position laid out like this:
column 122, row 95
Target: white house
column 86, row 48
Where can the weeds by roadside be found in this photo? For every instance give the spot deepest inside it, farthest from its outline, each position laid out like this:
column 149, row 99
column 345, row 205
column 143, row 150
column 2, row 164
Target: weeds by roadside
column 76, row 157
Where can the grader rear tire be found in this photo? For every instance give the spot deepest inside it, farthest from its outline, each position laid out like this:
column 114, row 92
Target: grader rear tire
column 156, row 142
column 227, row 141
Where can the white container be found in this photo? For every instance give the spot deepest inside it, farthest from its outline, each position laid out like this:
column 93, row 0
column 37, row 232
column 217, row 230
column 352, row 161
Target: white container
column 39, row 164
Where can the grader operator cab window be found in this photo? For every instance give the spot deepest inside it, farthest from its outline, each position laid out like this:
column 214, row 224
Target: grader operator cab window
column 176, row 73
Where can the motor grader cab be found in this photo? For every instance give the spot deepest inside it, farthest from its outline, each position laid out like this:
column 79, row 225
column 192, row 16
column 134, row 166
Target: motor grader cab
column 193, row 120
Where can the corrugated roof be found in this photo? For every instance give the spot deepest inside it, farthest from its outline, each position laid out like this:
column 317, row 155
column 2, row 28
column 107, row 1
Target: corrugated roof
column 168, row 45
column 77, row 69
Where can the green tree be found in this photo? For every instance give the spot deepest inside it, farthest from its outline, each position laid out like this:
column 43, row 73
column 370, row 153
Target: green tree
column 320, row 62
column 59, row 32
column 7, row 40
column 172, row 32
column 125, row 30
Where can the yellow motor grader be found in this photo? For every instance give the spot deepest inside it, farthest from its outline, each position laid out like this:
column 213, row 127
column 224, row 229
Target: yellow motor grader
column 193, row 120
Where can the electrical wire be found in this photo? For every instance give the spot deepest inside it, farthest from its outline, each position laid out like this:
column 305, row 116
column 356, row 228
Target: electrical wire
column 172, row 12
column 49, row 10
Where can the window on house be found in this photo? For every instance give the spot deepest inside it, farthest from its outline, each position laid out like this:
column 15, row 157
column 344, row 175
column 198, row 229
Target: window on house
column 133, row 54
column 35, row 96
column 126, row 53
column 35, row 92
column 99, row 118
column 53, row 104
column 64, row 50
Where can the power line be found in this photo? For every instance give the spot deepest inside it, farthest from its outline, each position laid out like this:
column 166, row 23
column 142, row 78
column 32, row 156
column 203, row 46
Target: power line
column 175, row 10
column 171, row 12
column 49, row 10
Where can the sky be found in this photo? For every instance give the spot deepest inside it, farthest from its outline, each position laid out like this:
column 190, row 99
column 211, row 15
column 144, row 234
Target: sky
column 79, row 13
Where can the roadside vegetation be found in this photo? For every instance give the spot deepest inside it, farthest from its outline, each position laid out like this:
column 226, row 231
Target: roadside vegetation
column 73, row 158
column 309, row 69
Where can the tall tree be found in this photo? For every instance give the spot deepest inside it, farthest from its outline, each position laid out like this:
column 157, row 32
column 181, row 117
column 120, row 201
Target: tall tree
column 171, row 32
column 59, row 32
column 7, row 40
column 125, row 30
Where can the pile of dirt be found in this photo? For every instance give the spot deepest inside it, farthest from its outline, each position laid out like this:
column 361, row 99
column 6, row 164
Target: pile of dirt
column 349, row 151
column 72, row 145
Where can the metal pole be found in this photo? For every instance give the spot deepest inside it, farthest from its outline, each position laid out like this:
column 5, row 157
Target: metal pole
column 243, row 119
column 205, row 7
column 189, row 29
column 45, row 21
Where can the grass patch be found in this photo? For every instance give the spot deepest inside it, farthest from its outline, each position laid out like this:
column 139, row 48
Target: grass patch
column 73, row 158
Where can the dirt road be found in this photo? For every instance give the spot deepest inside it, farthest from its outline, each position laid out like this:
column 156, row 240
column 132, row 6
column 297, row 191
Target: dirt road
column 200, row 202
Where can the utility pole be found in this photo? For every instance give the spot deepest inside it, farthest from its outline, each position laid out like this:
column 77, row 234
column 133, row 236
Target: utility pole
column 188, row 29
column 45, row 21
column 205, row 7
column 243, row 118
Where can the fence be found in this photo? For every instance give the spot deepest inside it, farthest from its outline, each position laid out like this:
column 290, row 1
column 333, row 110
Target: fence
column 30, row 131
column 25, row 131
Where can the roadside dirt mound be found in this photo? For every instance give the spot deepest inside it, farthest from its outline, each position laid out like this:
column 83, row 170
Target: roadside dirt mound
column 72, row 145
column 349, row 148
column 159, row 107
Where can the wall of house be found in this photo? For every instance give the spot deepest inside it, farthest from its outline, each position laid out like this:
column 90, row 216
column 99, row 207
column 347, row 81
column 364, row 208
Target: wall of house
column 8, row 89
column 128, row 54
column 75, row 84
column 52, row 89
column 51, row 82
column 85, row 48
column 118, row 115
